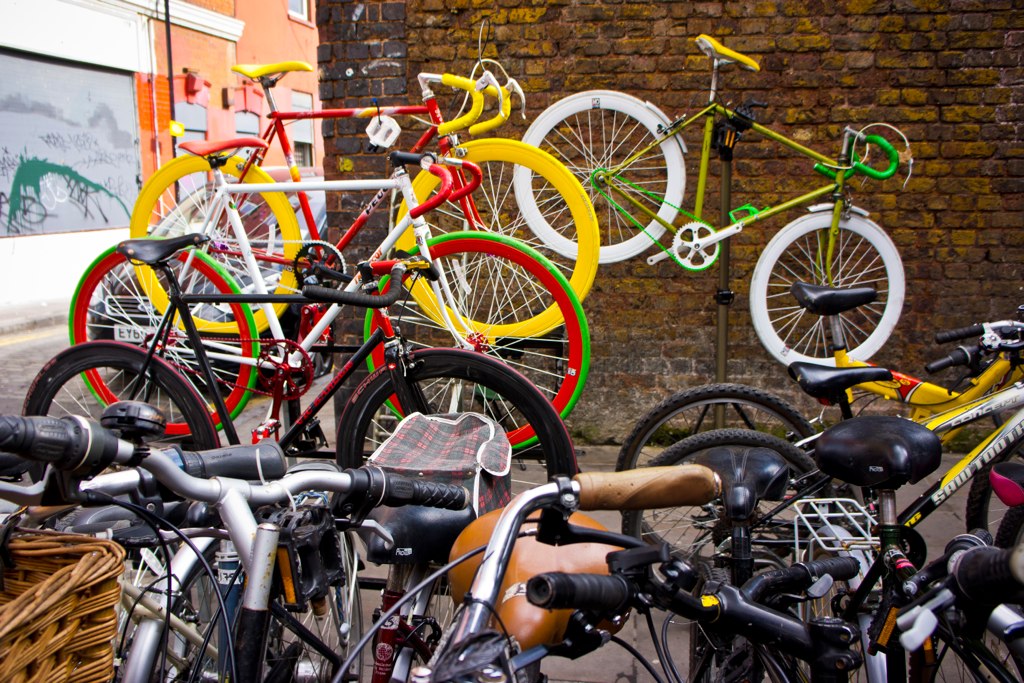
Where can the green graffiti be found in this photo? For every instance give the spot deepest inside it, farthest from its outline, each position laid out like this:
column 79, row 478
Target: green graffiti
column 26, row 186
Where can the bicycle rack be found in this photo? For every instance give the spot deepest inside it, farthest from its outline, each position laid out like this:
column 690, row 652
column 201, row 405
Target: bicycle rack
column 833, row 525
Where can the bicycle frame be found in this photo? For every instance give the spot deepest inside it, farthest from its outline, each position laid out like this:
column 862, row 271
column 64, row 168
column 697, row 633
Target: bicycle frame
column 277, row 128
column 835, row 190
column 224, row 192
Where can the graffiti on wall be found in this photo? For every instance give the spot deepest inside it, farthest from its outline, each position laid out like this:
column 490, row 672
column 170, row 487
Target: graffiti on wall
column 69, row 157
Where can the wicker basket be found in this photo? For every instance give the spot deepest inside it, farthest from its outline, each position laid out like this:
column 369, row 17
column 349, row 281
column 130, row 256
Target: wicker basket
column 57, row 609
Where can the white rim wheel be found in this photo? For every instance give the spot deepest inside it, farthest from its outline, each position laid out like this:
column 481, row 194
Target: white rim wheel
column 597, row 129
column 863, row 255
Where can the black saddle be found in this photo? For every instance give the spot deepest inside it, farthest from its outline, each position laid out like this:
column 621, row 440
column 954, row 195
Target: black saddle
column 878, row 451
column 421, row 534
column 831, row 300
column 830, row 384
column 748, row 475
column 153, row 251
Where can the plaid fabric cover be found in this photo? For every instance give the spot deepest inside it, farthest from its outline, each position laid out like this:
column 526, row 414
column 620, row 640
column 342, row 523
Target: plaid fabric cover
column 466, row 448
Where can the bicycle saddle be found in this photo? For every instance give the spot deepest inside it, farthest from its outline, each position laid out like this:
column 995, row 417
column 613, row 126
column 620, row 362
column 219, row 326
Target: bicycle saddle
column 421, row 534
column 878, row 451
column 153, row 251
column 748, row 475
column 723, row 55
column 256, row 71
column 822, row 300
column 830, row 384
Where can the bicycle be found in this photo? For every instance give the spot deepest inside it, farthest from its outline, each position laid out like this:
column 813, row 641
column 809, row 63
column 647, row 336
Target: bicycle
column 298, row 611
column 557, row 361
column 991, row 365
column 176, row 197
column 493, row 637
column 631, row 157
column 427, row 381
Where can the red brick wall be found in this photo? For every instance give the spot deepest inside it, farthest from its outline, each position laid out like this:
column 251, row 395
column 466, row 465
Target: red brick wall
column 948, row 73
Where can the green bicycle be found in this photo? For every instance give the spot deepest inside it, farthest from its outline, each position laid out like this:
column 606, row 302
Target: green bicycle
column 631, row 156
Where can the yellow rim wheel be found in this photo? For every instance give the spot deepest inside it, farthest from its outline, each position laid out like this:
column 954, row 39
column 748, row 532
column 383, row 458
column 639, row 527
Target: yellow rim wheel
column 177, row 199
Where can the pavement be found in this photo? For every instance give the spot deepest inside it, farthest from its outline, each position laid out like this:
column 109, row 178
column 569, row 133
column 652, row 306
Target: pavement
column 24, row 348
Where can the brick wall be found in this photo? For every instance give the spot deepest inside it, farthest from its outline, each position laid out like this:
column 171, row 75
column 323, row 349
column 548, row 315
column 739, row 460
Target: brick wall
column 948, row 73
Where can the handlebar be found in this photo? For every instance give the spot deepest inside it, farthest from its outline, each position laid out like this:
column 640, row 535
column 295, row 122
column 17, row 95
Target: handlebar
column 476, row 176
column 67, row 443
column 857, row 167
column 648, row 487
column 79, row 446
column 962, row 355
column 476, row 104
column 494, row 89
column 592, row 592
column 361, row 299
column 946, row 336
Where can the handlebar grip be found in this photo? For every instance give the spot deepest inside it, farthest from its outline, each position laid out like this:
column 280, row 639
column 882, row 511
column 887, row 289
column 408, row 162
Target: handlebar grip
column 959, row 356
column 648, row 487
column 476, row 105
column 476, row 176
column 800, row 576
column 592, row 592
column 983, row 575
column 250, row 462
column 839, row 568
column 400, row 490
column 67, row 443
column 947, row 336
column 505, row 111
column 361, row 299
column 888, row 150
column 440, row 196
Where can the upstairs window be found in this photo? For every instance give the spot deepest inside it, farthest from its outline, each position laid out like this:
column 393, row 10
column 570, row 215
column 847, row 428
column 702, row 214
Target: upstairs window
column 301, row 132
column 299, row 9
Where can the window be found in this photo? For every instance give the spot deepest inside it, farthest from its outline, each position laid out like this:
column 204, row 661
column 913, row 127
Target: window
column 193, row 118
column 69, row 150
column 299, row 9
column 247, row 123
column 302, row 131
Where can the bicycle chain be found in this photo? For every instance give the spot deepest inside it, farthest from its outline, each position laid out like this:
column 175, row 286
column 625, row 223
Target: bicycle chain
column 298, row 388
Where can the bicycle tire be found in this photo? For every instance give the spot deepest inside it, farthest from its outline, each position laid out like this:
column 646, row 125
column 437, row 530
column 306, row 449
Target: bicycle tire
column 455, row 380
column 111, row 303
column 599, row 129
column 566, row 203
column 176, row 200
column 691, row 411
column 690, row 531
column 80, row 381
column 863, row 256
column 957, row 658
column 481, row 265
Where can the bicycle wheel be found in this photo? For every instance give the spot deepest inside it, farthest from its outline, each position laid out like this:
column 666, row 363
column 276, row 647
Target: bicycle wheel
column 111, row 303
column 692, row 411
column 85, row 379
column 498, row 282
column 600, row 129
column 333, row 627
column 564, row 205
column 177, row 200
column 862, row 255
column 451, row 381
column 717, row 656
column 695, row 532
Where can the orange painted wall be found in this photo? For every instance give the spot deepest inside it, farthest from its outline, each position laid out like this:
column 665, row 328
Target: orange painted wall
column 270, row 35
column 273, row 35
